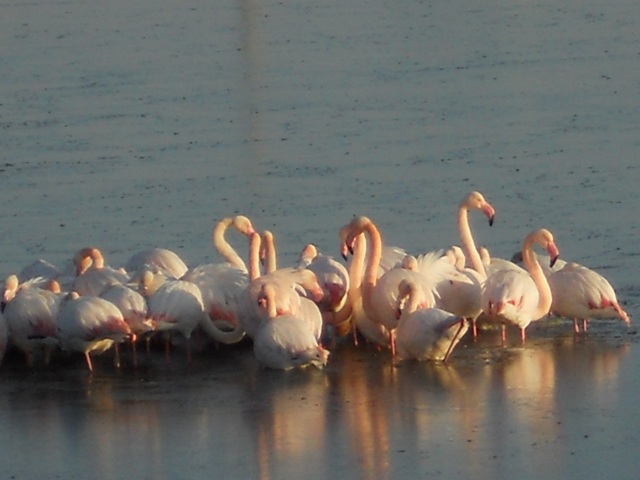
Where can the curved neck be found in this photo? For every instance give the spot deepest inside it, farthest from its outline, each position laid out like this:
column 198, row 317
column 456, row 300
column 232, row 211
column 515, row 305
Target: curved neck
column 223, row 246
column 468, row 243
column 356, row 268
column 371, row 271
column 535, row 270
column 411, row 302
column 222, row 336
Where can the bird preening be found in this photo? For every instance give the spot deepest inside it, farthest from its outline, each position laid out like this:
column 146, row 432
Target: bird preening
column 418, row 306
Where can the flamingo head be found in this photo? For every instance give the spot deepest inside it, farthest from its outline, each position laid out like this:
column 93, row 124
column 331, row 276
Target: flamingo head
column 476, row 201
column 243, row 225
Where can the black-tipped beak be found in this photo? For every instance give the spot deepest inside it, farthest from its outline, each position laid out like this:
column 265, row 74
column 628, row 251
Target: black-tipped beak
column 553, row 261
column 491, row 220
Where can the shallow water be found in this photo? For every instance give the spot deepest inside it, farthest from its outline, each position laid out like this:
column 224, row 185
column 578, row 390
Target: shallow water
column 144, row 125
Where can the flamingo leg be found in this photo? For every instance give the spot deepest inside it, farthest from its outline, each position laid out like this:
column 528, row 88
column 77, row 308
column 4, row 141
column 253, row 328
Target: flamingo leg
column 576, row 327
column 453, row 341
column 392, row 342
column 504, row 335
column 474, row 329
column 116, row 355
column 584, row 325
column 523, row 335
column 134, row 352
column 88, row 360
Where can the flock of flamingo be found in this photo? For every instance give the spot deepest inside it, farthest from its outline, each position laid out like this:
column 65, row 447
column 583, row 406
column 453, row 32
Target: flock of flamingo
column 418, row 306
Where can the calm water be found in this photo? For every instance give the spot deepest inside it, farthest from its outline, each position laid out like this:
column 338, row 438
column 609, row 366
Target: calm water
column 144, row 125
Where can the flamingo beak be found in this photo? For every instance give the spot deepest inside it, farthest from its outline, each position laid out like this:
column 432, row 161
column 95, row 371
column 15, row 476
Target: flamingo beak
column 554, row 253
column 489, row 212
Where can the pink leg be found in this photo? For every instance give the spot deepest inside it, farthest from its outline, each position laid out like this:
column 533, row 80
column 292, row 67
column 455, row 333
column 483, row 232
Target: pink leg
column 88, row 360
column 584, row 325
column 392, row 342
column 523, row 335
column 576, row 327
column 474, row 329
column 453, row 342
column 504, row 335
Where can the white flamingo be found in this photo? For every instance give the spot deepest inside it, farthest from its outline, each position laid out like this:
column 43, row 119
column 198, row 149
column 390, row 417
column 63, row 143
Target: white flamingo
column 162, row 259
column 517, row 296
column 425, row 333
column 291, row 285
column 284, row 341
column 91, row 325
column 92, row 275
column 31, row 315
column 222, row 283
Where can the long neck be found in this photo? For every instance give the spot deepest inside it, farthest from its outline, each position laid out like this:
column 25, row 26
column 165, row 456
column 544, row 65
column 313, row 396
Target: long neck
column 535, row 270
column 356, row 268
column 468, row 244
column 254, row 256
column 223, row 246
column 370, row 274
column 271, row 263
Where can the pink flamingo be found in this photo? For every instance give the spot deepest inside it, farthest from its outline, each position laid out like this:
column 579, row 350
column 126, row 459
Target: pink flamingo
column 379, row 295
column 517, row 296
column 580, row 293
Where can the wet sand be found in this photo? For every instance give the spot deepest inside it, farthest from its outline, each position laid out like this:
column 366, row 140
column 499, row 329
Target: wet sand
column 143, row 125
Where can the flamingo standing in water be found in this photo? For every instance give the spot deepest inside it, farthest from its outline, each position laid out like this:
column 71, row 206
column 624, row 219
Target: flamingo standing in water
column 91, row 325
column 284, row 341
column 31, row 315
column 459, row 287
column 517, row 296
column 134, row 310
column 580, row 293
column 222, row 283
column 379, row 295
column 290, row 284
column 92, row 275
column 425, row 333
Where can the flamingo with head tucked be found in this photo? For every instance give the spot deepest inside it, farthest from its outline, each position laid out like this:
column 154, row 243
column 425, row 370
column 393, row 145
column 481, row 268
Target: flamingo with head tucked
column 92, row 275
column 284, row 341
column 425, row 333
column 91, row 325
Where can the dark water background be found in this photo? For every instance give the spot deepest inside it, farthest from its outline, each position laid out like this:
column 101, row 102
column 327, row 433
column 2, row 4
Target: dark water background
column 144, row 123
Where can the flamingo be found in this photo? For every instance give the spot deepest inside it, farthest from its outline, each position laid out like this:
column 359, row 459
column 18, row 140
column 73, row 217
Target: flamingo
column 134, row 309
column 379, row 295
column 31, row 316
column 290, row 284
column 425, row 333
column 332, row 276
column 162, row 259
column 174, row 306
column 459, row 287
column 222, row 283
column 91, row 325
column 284, row 341
column 517, row 296
column 580, row 293
column 92, row 275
